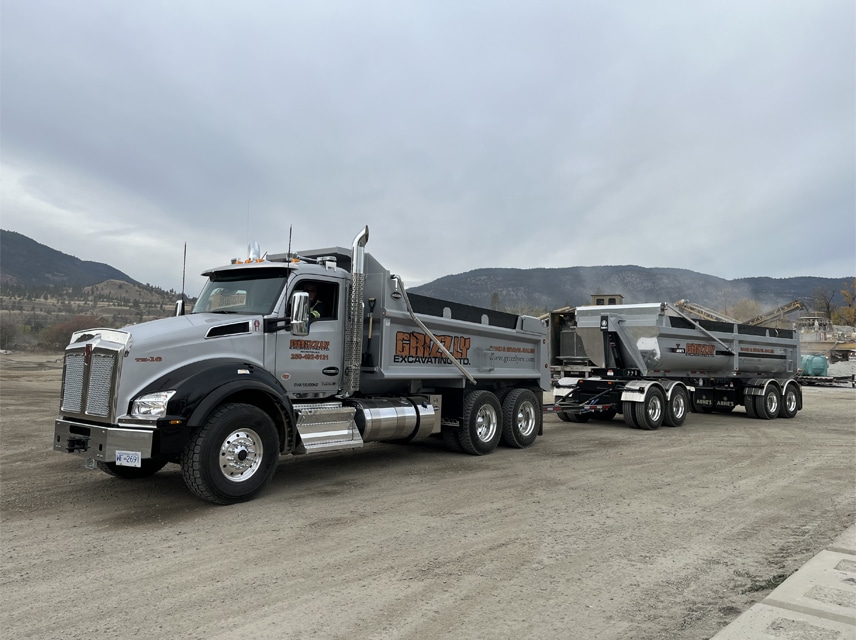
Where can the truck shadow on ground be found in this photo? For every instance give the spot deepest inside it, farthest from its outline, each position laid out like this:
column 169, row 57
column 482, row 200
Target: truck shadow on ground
column 164, row 498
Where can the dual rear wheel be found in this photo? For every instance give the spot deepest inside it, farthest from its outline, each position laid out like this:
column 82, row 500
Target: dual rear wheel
column 655, row 410
column 486, row 422
column 773, row 403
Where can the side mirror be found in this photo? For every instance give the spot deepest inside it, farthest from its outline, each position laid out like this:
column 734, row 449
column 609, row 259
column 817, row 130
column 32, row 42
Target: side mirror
column 300, row 313
column 179, row 307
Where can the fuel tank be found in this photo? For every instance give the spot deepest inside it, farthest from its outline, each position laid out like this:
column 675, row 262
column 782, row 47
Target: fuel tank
column 660, row 340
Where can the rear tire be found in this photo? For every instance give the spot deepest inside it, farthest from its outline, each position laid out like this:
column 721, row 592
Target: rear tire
column 481, row 430
column 767, row 405
column 450, row 438
column 521, row 418
column 147, row 468
column 578, row 417
column 629, row 414
column 231, row 457
column 651, row 411
column 676, row 408
column 790, row 402
column 564, row 416
column 749, row 404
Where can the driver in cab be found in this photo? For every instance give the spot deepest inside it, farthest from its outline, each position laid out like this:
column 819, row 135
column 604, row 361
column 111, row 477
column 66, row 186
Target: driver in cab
column 316, row 307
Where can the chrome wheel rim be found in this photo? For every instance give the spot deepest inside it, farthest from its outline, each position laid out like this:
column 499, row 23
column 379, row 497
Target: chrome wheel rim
column 525, row 419
column 486, row 423
column 655, row 409
column 679, row 406
column 241, row 455
column 772, row 404
column 791, row 401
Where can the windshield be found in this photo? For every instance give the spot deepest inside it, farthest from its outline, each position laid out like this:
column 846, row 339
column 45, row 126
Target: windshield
column 252, row 291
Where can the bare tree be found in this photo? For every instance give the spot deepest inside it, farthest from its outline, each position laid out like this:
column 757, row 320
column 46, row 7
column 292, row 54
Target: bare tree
column 822, row 301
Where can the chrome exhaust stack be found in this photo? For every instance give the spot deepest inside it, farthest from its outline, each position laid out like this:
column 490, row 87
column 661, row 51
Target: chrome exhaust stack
column 356, row 314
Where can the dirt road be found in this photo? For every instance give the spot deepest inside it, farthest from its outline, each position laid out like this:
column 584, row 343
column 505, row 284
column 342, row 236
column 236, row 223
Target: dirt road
column 597, row 531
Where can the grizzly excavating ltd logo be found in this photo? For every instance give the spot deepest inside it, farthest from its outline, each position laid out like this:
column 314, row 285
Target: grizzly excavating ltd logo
column 413, row 347
column 696, row 349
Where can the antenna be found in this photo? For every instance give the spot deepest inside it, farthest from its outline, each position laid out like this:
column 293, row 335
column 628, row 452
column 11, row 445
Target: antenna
column 183, row 270
column 289, row 240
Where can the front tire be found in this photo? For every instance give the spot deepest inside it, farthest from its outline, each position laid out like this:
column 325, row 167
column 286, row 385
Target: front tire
column 521, row 418
column 480, row 432
column 231, row 457
column 147, row 468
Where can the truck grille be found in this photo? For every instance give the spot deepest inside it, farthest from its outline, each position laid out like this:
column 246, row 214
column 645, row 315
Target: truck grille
column 90, row 387
column 72, row 390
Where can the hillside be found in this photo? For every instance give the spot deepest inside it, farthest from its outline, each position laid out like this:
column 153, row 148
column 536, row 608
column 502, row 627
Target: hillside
column 25, row 262
column 546, row 289
column 46, row 294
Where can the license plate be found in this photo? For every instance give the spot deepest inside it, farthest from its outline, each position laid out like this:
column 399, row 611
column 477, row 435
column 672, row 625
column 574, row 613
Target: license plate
column 128, row 459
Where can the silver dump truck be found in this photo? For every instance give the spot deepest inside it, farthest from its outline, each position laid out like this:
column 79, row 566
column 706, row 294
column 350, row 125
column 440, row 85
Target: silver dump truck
column 653, row 364
column 296, row 354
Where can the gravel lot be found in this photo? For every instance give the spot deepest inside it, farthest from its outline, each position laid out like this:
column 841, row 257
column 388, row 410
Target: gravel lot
column 597, row 531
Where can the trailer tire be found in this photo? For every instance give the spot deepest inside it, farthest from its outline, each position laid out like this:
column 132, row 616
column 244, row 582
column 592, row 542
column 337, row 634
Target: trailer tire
column 450, row 438
column 521, row 418
column 790, row 402
column 650, row 412
column 578, row 417
column 147, row 468
column 767, row 405
column 481, row 429
column 564, row 416
column 629, row 414
column 231, row 457
column 676, row 408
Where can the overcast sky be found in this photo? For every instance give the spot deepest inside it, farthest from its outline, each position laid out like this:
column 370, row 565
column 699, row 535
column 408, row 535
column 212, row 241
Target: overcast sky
column 717, row 136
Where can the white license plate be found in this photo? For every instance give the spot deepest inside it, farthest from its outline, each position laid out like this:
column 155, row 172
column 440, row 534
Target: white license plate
column 128, row 458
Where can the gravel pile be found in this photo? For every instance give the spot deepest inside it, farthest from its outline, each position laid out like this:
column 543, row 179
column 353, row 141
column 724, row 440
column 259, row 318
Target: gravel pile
column 842, row 368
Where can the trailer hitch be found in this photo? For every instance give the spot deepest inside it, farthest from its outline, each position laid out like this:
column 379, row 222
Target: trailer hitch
column 78, row 443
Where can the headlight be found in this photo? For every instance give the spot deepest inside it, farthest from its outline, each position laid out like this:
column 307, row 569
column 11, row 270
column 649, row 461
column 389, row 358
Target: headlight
column 151, row 405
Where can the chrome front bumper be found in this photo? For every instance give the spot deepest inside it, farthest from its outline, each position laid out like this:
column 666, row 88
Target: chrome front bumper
column 101, row 443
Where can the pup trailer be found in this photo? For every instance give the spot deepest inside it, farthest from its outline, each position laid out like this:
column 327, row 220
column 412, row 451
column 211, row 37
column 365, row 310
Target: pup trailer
column 653, row 364
column 297, row 354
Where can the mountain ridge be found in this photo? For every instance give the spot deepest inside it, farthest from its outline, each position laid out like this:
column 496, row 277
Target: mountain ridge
column 26, row 262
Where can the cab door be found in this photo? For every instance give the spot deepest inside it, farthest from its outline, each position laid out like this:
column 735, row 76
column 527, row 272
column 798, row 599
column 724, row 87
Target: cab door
column 311, row 366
